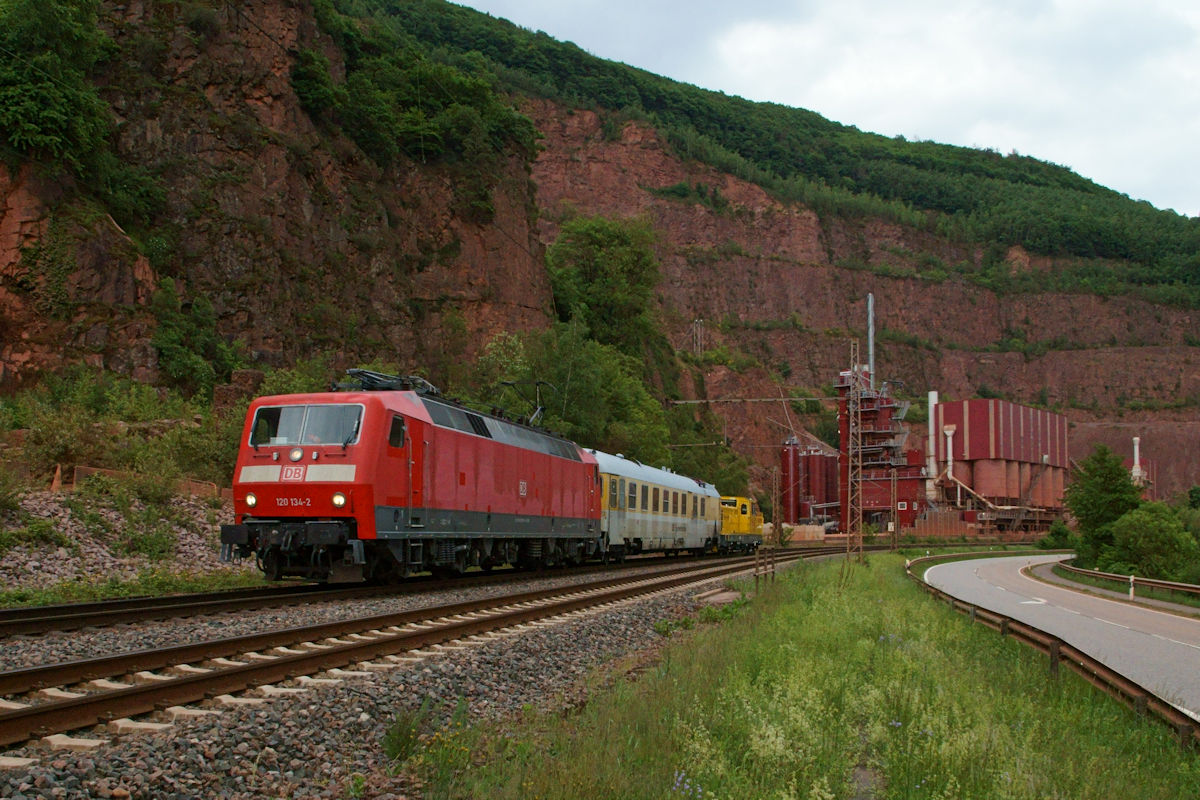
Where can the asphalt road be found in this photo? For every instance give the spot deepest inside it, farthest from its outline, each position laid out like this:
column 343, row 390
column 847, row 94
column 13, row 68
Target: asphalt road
column 1157, row 649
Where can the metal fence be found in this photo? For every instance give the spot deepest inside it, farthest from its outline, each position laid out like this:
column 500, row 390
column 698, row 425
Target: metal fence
column 1132, row 581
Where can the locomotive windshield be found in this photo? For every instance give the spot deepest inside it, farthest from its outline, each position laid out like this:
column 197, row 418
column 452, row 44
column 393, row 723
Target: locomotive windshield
column 287, row 425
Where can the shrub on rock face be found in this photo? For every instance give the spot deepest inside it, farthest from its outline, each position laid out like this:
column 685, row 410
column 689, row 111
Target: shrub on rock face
column 191, row 354
column 48, row 108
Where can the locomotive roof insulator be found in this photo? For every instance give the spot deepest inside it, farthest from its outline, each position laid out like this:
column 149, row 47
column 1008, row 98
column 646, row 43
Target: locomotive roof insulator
column 365, row 380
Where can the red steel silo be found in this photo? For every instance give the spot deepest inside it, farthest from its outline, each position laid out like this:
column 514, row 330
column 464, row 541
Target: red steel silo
column 991, row 478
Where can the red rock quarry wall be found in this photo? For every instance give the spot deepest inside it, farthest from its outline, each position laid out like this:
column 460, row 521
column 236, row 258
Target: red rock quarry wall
column 306, row 246
column 769, row 280
column 1173, row 446
column 302, row 243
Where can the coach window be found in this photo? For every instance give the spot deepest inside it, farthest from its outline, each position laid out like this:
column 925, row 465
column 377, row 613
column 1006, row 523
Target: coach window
column 621, row 494
column 702, row 508
column 645, row 495
column 654, row 501
column 612, row 492
column 675, row 503
column 632, row 496
column 695, row 506
column 396, row 433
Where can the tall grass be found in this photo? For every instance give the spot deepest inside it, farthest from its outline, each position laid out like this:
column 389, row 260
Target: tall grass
column 828, row 685
column 101, row 419
column 147, row 583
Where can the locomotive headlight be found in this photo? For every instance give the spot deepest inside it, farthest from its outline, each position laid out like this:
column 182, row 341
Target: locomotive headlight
column 339, row 500
column 296, row 454
column 251, row 500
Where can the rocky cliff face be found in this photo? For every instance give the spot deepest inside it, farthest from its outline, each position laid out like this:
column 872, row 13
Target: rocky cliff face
column 301, row 242
column 769, row 280
column 304, row 245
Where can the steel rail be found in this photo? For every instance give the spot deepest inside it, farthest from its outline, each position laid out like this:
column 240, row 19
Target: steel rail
column 72, row 616
column 39, row 620
column 44, row 718
column 15, row 613
column 28, row 679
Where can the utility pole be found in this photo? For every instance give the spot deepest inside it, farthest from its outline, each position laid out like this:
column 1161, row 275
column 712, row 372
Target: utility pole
column 776, row 524
column 854, row 398
column 895, row 513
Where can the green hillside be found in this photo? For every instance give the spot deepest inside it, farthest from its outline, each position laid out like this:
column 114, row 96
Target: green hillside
column 967, row 194
column 427, row 80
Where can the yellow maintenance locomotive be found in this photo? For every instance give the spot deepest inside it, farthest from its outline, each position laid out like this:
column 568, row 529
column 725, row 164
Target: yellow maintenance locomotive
column 741, row 525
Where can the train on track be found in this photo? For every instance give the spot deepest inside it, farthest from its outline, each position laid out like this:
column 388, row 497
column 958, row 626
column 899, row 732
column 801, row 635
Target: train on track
column 383, row 478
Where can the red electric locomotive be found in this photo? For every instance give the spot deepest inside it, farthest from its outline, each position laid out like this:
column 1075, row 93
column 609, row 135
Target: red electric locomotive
column 388, row 478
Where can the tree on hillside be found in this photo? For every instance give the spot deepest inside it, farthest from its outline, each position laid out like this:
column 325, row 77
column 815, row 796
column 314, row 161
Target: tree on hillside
column 699, row 450
column 603, row 272
column 48, row 108
column 591, row 392
column 1151, row 541
column 1101, row 493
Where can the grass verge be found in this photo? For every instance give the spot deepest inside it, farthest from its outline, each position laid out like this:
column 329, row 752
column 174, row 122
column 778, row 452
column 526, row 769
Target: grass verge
column 148, row 583
column 832, row 684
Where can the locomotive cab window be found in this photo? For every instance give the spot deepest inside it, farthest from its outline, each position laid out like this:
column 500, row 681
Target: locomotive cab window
column 302, row 424
column 396, row 432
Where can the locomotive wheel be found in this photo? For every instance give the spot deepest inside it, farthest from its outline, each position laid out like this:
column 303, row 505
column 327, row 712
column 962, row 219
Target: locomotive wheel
column 454, row 570
column 273, row 564
column 380, row 572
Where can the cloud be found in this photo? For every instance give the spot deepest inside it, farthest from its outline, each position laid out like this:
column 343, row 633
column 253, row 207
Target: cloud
column 1106, row 89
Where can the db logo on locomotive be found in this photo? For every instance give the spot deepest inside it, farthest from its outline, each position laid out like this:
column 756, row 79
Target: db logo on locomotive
column 292, row 472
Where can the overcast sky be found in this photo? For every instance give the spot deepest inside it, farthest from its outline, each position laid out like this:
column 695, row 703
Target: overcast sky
column 1109, row 88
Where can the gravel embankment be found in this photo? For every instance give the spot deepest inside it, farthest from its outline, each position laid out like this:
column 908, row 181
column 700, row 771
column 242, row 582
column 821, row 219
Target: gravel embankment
column 314, row 744
column 27, row 651
column 98, row 540
column 323, row 743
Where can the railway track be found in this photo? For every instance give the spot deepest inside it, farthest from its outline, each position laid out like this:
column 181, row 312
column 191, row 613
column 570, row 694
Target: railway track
column 71, row 616
column 74, row 695
column 43, row 619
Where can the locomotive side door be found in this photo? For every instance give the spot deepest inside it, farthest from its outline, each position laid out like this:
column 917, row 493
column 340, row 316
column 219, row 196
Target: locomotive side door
column 418, row 468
